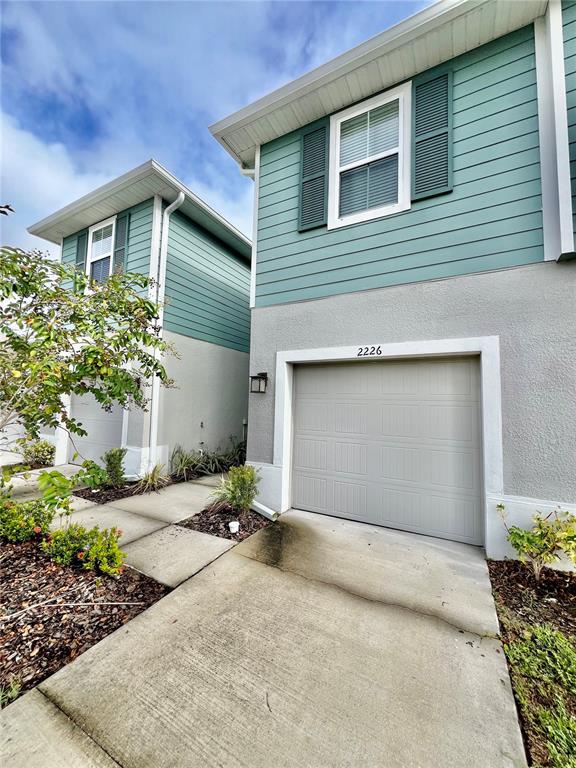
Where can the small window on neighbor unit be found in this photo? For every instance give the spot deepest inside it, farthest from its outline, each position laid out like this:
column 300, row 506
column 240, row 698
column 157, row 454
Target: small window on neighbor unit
column 370, row 159
column 100, row 248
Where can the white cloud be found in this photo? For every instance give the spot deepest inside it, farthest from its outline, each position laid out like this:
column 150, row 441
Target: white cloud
column 37, row 179
column 145, row 79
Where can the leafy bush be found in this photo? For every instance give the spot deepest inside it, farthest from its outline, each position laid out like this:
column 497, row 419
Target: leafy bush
column 153, row 480
column 92, row 549
column 114, row 461
column 185, row 465
column 21, row 521
column 550, row 536
column 39, row 452
column 239, row 489
column 559, row 728
column 92, row 475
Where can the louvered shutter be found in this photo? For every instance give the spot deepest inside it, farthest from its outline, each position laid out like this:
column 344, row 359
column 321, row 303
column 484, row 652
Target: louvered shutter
column 121, row 243
column 313, row 177
column 432, row 135
column 81, row 251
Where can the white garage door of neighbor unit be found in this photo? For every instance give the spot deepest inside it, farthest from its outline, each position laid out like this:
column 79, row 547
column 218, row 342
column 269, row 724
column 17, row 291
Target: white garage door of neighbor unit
column 393, row 443
column 104, row 429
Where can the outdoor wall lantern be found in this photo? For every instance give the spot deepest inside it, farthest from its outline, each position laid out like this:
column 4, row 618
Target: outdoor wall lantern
column 258, row 382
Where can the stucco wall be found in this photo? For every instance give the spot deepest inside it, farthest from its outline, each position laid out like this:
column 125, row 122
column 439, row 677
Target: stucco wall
column 533, row 311
column 211, row 398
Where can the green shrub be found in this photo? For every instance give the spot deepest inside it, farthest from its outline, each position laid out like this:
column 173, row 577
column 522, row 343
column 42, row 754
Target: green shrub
column 153, row 480
column 39, row 452
column 114, row 462
column 21, row 521
column 550, row 536
column 559, row 727
column 92, row 475
column 92, row 549
column 239, row 489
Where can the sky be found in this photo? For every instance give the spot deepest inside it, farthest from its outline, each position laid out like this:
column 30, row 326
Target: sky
column 93, row 89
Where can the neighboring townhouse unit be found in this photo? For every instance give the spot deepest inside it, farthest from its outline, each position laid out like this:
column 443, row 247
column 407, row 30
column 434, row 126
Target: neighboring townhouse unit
column 413, row 294
column 147, row 221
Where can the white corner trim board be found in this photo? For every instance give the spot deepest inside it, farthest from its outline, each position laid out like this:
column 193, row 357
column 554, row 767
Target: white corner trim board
column 275, row 491
column 553, row 134
column 255, row 229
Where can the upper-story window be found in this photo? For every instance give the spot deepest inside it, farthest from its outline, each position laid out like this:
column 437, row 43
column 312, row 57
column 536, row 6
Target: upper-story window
column 100, row 250
column 369, row 169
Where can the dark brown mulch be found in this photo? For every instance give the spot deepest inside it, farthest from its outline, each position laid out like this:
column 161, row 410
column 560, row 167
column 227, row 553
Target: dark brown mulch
column 106, row 495
column 36, row 642
column 214, row 521
column 552, row 600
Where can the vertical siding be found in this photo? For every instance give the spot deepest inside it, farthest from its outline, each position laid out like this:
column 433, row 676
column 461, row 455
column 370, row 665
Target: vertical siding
column 207, row 287
column 491, row 220
column 139, row 239
column 569, row 30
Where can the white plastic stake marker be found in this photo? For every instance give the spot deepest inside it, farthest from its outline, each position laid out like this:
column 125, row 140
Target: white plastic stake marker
column 234, row 526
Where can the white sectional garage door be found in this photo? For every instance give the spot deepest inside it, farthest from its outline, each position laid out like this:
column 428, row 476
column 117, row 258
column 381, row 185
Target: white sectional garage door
column 104, row 429
column 393, row 443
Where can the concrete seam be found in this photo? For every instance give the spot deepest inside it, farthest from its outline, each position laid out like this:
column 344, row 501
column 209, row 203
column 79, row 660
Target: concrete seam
column 373, row 600
column 77, row 725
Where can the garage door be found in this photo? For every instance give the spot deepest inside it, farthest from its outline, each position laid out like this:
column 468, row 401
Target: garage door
column 396, row 444
column 104, row 429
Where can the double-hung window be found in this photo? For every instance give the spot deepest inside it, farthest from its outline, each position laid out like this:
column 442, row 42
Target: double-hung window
column 370, row 159
column 100, row 250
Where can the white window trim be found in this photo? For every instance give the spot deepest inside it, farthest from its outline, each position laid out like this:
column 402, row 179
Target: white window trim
column 91, row 230
column 404, row 95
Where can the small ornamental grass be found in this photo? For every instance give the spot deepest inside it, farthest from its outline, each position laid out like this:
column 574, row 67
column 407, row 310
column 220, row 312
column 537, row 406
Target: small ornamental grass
column 153, row 480
column 22, row 521
column 239, row 489
column 92, row 549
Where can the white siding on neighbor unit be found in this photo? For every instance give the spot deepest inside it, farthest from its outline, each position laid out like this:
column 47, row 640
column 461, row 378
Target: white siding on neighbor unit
column 104, row 429
column 393, row 443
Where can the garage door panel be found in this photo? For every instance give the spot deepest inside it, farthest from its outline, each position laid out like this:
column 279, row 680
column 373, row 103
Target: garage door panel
column 409, row 461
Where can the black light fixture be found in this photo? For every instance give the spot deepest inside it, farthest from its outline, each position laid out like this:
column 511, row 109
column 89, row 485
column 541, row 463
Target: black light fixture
column 258, row 382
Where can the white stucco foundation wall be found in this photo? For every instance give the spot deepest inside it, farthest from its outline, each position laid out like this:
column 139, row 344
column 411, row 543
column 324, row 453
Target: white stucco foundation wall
column 209, row 403
column 532, row 312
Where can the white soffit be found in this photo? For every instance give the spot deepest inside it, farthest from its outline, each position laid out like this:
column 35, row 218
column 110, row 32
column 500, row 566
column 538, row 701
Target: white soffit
column 134, row 187
column 436, row 34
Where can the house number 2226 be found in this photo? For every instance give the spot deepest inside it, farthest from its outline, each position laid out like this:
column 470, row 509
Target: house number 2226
column 368, row 351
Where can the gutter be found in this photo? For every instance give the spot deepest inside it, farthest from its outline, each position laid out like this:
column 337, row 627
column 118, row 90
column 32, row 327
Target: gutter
column 159, row 299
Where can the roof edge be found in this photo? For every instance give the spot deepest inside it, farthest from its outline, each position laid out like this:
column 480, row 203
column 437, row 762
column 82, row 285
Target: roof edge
column 150, row 167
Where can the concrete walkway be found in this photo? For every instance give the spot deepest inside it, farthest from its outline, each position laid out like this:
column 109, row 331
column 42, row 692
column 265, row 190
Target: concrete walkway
column 152, row 543
column 316, row 643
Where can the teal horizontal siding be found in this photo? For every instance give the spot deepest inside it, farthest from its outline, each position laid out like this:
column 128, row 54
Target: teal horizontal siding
column 139, row 239
column 207, row 287
column 492, row 219
column 569, row 32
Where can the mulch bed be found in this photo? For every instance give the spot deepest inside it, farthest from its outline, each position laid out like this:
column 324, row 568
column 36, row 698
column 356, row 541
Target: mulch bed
column 106, row 495
column 37, row 640
column 552, row 600
column 214, row 521
column 523, row 603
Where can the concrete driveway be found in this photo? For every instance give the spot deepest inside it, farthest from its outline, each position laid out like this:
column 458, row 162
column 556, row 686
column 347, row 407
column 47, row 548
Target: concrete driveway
column 317, row 643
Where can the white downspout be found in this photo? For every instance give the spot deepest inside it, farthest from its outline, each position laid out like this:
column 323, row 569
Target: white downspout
column 160, row 291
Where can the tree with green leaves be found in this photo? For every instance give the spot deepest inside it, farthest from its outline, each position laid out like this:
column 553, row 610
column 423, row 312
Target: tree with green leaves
column 61, row 334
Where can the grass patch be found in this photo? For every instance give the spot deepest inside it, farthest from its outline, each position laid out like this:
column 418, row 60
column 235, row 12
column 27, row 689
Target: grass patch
column 542, row 662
